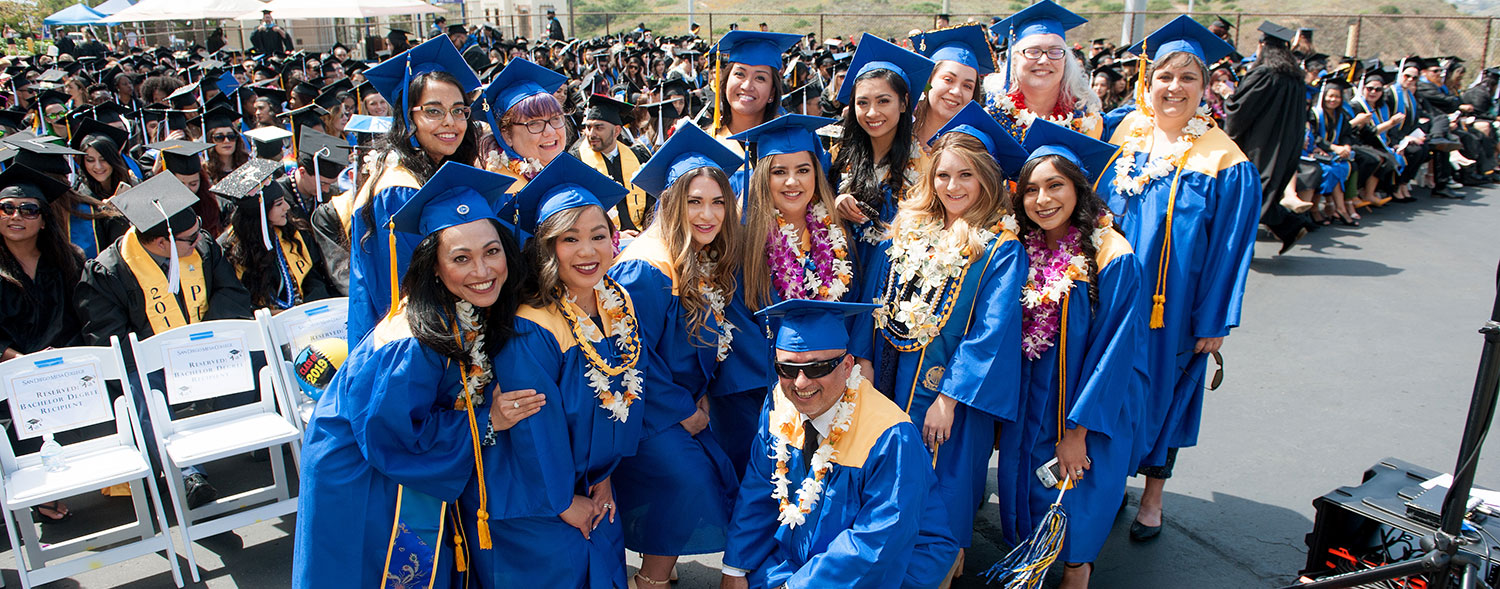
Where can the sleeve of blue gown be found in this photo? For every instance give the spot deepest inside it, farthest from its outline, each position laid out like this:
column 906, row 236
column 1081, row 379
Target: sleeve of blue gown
column 885, row 528
column 985, row 370
column 403, row 433
column 862, row 339
column 650, row 292
column 529, row 468
column 1231, row 244
column 1112, row 118
column 752, row 527
column 1115, row 335
column 369, row 267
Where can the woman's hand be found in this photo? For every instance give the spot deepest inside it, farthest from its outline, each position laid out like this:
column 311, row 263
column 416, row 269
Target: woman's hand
column 1072, row 453
column 848, row 207
column 603, row 496
column 696, row 422
column 1208, row 345
column 938, row 425
column 510, row 408
column 580, row 515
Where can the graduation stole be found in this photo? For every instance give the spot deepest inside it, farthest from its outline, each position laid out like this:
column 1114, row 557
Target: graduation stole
column 298, row 259
column 1323, row 127
column 162, row 308
column 1381, row 115
column 635, row 202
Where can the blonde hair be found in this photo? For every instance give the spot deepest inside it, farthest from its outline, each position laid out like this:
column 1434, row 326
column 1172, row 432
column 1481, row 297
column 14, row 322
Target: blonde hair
column 922, row 205
column 760, row 225
column 672, row 226
column 545, row 286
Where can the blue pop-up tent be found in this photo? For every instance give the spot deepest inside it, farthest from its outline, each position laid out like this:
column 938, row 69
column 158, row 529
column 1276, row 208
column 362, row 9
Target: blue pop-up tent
column 76, row 14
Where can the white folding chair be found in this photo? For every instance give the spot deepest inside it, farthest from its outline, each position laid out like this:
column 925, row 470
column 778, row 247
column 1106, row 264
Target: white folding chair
column 216, row 434
column 292, row 330
column 91, row 465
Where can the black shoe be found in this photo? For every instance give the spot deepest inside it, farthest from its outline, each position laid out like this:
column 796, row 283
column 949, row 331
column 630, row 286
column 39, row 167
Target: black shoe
column 199, row 492
column 1289, row 239
column 1140, row 532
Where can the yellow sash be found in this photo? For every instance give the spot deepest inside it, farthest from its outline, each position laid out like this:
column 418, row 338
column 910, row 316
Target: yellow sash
column 161, row 306
column 344, row 205
column 299, row 263
column 636, row 200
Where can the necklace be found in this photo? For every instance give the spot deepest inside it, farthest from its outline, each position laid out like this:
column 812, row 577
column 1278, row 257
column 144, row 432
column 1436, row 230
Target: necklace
column 1157, row 167
column 477, row 370
column 927, row 268
column 825, row 273
column 617, row 312
column 1049, row 280
column 1017, row 119
column 783, row 428
column 716, row 302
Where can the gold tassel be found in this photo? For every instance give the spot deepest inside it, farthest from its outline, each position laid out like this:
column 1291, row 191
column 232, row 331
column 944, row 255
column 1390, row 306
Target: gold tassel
column 482, row 525
column 459, row 561
column 718, row 88
column 484, row 530
column 1158, row 308
column 390, row 228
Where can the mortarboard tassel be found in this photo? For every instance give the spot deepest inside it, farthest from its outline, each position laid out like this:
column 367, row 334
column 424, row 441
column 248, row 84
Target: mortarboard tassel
column 173, row 267
column 719, row 88
column 265, row 229
column 317, row 175
column 390, row 228
column 482, row 519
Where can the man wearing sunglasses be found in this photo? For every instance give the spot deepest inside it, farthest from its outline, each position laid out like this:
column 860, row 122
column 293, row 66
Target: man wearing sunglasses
column 839, row 491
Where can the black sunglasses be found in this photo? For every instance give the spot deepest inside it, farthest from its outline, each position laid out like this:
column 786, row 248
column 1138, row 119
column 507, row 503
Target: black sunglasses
column 28, row 210
column 217, row 137
column 816, row 369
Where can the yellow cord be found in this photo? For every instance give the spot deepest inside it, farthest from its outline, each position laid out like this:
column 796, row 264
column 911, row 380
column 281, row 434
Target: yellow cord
column 390, row 229
column 483, row 526
column 1159, row 298
column 718, row 88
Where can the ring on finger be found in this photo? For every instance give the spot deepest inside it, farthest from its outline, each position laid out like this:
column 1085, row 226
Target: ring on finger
column 515, row 404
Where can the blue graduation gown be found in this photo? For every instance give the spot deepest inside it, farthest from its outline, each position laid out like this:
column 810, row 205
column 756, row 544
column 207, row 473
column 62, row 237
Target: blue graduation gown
column 386, row 422
column 534, row 469
column 982, row 371
column 1104, row 386
column 879, row 522
column 369, row 252
column 676, row 492
column 1212, row 241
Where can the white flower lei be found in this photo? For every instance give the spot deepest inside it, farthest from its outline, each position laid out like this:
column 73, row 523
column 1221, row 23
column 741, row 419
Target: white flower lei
column 833, row 234
column 1157, row 167
column 1024, row 117
column 924, row 254
column 612, row 309
column 716, row 302
column 811, row 489
column 468, row 321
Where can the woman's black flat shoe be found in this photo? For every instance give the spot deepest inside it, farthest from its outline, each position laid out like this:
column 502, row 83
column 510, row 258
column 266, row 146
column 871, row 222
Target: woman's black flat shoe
column 1140, row 532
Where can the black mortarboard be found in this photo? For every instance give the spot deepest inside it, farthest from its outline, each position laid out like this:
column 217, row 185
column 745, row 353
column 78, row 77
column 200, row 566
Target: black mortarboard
column 332, row 153
column 306, row 89
column 1274, row 31
column 307, row 116
column 273, row 93
column 12, row 119
column 153, row 205
column 181, row 157
column 269, row 141
column 247, row 180
column 50, row 97
column 797, row 98
column 86, row 127
column 397, row 34
column 184, row 97
column 20, row 181
column 457, row 29
column 43, row 156
column 1223, row 22
column 221, row 116
column 609, row 110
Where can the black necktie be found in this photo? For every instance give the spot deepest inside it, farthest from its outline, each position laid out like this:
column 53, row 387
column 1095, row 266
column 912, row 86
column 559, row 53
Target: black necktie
column 809, row 443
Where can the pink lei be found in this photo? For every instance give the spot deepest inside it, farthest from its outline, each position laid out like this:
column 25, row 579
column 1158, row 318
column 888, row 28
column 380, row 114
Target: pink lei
column 1049, row 279
column 825, row 273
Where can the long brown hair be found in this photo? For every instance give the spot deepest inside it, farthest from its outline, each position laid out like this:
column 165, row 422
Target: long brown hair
column 760, row 225
column 543, row 285
column 1087, row 207
column 672, row 226
column 923, row 206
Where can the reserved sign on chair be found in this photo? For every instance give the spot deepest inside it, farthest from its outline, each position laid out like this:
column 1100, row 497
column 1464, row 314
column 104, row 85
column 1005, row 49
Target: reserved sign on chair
column 198, row 369
column 57, row 397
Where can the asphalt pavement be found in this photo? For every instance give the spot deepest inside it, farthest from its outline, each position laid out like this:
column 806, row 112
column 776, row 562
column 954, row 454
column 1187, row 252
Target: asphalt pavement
column 1359, row 344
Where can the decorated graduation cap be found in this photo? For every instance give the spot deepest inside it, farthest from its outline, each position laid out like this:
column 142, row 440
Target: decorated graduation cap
column 808, row 325
column 1183, row 35
column 566, row 183
column 246, row 182
column 368, row 125
column 965, row 44
column 181, row 156
column 162, row 206
column 42, row 155
column 609, row 110
column 973, row 121
column 85, row 128
column 689, row 148
column 521, row 79
column 455, row 195
column 875, row 53
column 755, row 47
column 392, row 77
column 1090, row 155
column 269, row 141
column 19, row 181
column 787, row 134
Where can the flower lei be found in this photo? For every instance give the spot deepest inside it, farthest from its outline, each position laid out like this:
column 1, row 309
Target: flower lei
column 716, row 302
column 783, row 428
column 478, row 371
column 923, row 264
column 1157, row 167
column 825, row 273
column 1049, row 279
column 872, row 232
column 615, row 309
column 1013, row 106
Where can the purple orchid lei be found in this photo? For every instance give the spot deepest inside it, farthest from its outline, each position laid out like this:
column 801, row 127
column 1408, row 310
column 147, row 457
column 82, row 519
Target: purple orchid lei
column 1050, row 277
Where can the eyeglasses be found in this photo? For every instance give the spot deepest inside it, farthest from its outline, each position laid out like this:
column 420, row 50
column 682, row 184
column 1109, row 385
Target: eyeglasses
column 816, row 369
column 539, row 125
column 197, row 234
column 217, row 137
column 1374, row 89
column 1034, row 53
column 29, row 210
column 435, row 114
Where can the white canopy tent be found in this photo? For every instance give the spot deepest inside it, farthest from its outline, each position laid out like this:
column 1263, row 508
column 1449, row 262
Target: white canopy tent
column 303, row 9
column 157, row 10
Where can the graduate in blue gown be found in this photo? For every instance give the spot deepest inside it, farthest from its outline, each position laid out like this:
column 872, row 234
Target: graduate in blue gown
column 1193, row 230
column 430, row 74
column 747, row 64
column 559, row 527
column 394, row 440
column 816, row 263
column 675, row 493
column 840, row 491
column 1081, row 333
column 948, row 333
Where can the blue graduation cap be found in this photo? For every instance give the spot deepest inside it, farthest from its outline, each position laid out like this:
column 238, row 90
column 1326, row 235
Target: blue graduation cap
column 227, row 83
column 1042, row 18
column 689, row 148
column 806, row 325
column 392, row 76
column 1184, row 34
column 755, row 47
column 786, row 134
column 519, row 80
column 455, row 195
column 875, row 53
column 965, row 44
column 1089, row 154
column 564, row 184
column 977, row 123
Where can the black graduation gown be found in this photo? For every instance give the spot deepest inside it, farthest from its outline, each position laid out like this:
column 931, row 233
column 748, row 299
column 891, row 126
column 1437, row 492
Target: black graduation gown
column 39, row 313
column 111, row 302
column 328, row 232
column 1266, row 118
column 314, row 284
